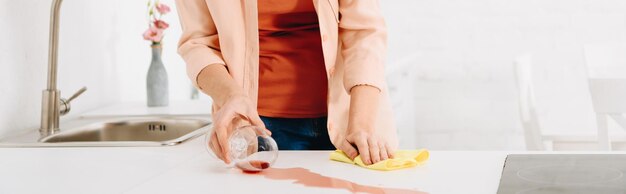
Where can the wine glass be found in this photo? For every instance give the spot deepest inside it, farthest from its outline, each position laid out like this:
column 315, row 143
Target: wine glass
column 251, row 148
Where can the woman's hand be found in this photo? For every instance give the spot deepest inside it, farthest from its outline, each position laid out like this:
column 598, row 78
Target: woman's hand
column 236, row 109
column 360, row 137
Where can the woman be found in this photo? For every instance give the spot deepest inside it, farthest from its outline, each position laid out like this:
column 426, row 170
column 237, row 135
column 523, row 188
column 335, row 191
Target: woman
column 311, row 71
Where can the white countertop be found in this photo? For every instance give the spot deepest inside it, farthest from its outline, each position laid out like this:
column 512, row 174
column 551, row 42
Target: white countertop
column 187, row 168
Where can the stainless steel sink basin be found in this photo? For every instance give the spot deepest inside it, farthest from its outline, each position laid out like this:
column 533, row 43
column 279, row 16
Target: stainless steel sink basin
column 153, row 131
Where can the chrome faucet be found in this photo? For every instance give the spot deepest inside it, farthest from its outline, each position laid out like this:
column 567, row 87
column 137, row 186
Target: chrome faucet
column 52, row 105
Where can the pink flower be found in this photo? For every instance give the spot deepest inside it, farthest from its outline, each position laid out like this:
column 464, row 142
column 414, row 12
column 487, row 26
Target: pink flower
column 160, row 24
column 153, row 34
column 162, row 8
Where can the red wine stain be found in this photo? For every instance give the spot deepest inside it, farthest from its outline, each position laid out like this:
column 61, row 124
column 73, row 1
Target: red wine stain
column 256, row 165
column 310, row 179
column 260, row 164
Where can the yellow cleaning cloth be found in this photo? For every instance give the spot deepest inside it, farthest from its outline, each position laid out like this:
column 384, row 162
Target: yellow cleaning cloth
column 402, row 159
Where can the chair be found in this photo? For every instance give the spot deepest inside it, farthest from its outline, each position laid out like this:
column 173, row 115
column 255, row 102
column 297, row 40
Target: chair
column 606, row 69
column 528, row 114
column 534, row 138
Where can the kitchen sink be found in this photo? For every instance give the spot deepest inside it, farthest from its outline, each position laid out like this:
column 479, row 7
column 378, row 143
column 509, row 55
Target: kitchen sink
column 150, row 131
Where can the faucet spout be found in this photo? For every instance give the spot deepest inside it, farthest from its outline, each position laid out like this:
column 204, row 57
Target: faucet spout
column 52, row 105
column 53, row 44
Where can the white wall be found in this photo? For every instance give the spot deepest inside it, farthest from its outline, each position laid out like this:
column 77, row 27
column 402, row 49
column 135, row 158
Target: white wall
column 463, row 79
column 86, row 58
column 455, row 55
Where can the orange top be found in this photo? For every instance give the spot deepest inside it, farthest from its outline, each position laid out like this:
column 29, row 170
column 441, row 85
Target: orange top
column 292, row 76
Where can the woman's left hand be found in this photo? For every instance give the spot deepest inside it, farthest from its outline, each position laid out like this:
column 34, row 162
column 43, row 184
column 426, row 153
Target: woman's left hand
column 360, row 137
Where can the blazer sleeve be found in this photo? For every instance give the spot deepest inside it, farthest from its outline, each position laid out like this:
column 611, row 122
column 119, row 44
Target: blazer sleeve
column 363, row 37
column 199, row 42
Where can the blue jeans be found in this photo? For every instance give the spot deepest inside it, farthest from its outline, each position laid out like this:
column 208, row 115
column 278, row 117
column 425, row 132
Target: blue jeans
column 299, row 133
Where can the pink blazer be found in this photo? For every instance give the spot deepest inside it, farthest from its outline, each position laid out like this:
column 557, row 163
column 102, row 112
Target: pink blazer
column 353, row 32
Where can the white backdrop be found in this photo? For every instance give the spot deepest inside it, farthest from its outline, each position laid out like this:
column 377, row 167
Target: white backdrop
column 450, row 62
column 462, row 76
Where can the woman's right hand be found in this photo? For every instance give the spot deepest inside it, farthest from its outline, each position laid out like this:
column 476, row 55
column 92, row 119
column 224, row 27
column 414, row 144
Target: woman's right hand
column 236, row 108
